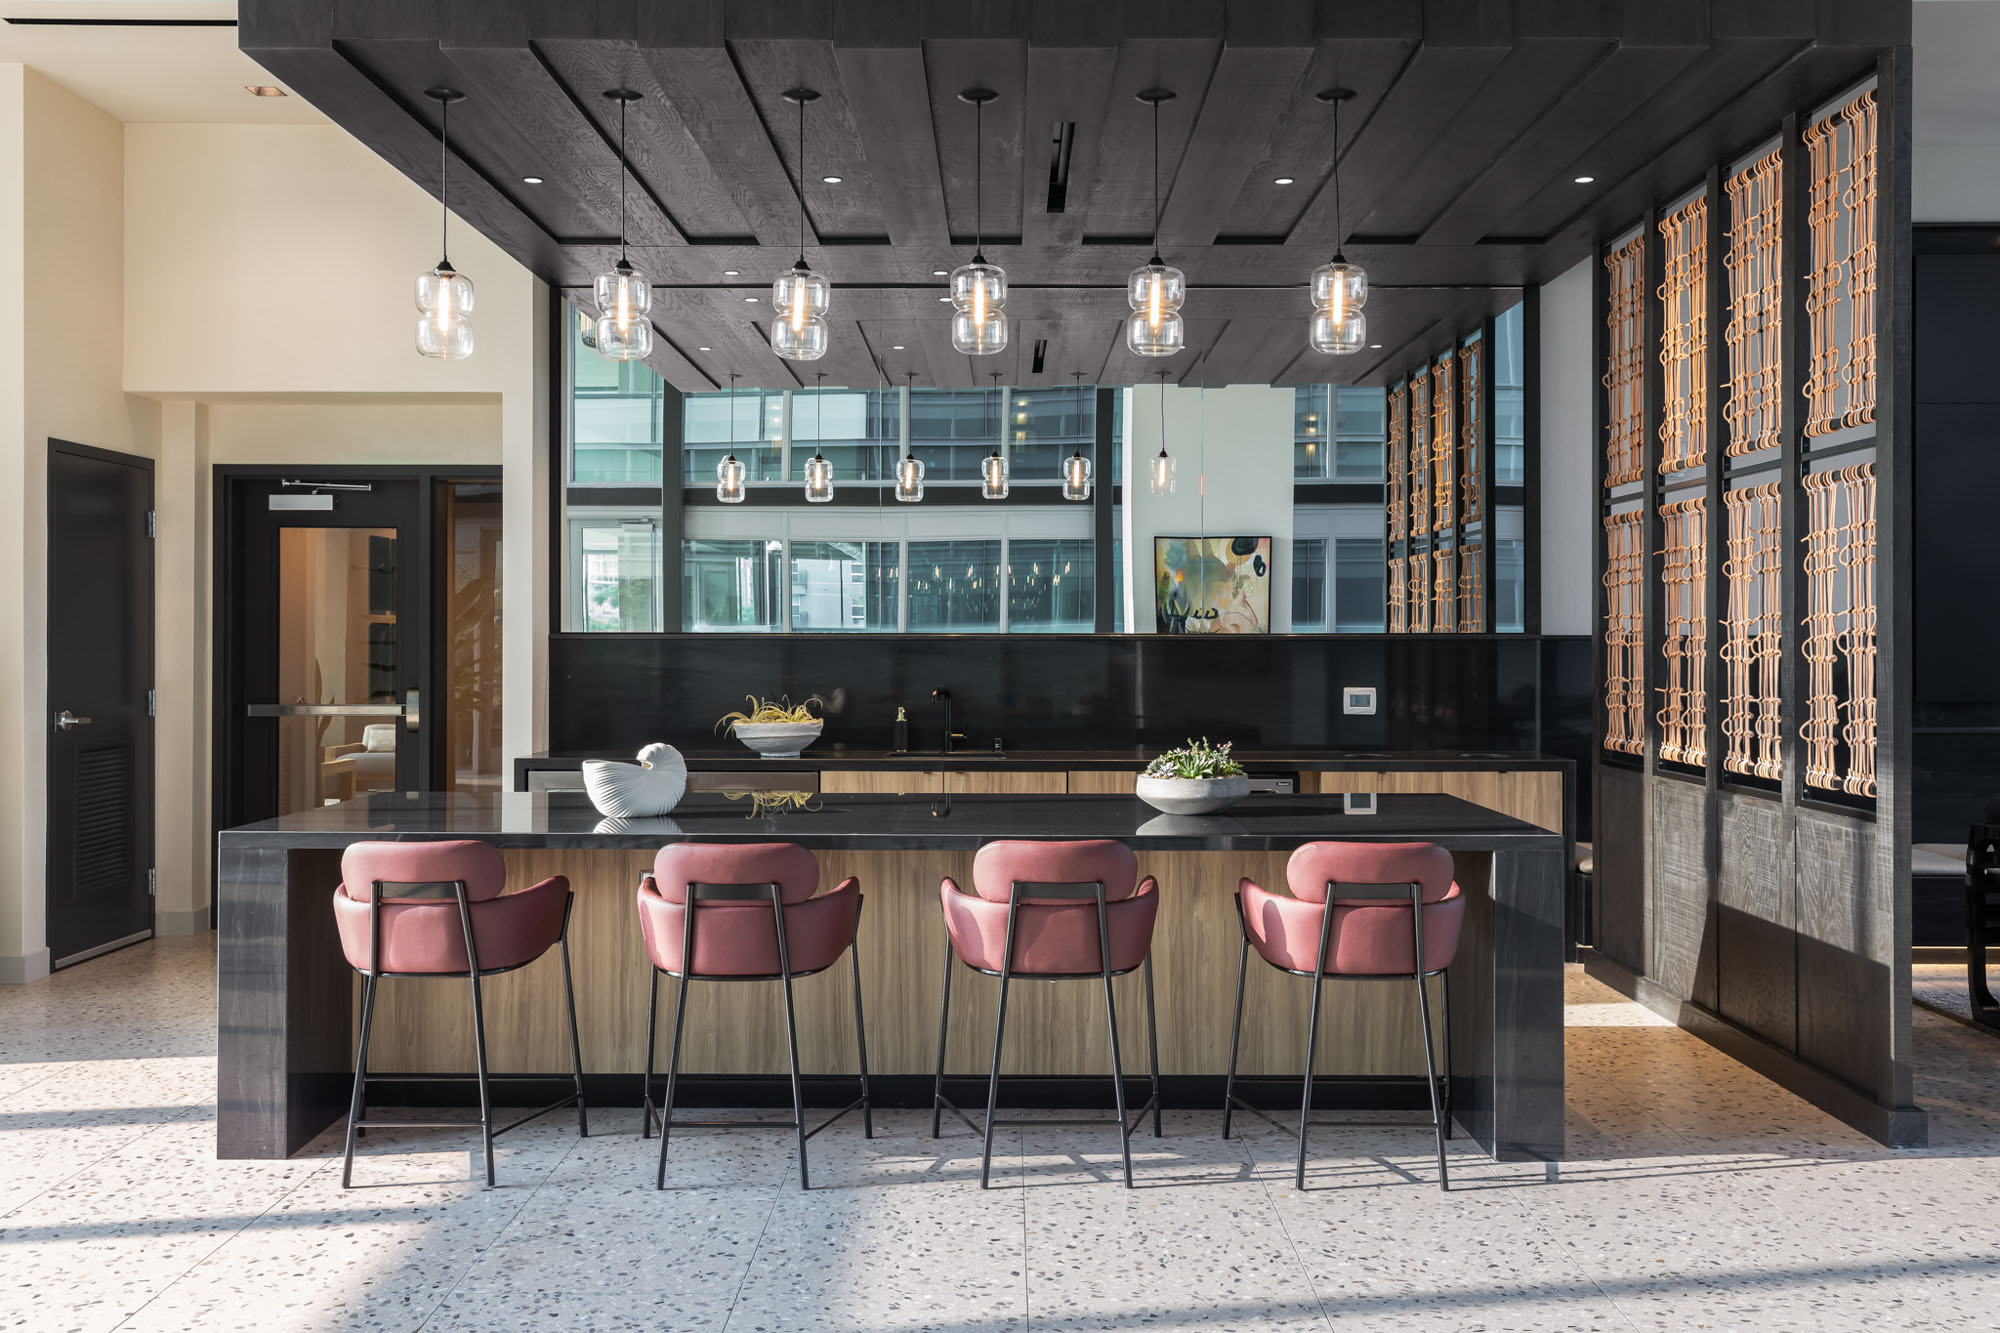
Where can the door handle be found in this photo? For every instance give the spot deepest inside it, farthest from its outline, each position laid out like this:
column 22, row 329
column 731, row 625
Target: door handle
column 67, row 721
column 323, row 710
column 410, row 714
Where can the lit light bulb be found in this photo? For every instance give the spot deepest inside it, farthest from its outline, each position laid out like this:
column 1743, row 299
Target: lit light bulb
column 1076, row 477
column 1163, row 473
column 993, row 477
column 910, row 479
column 819, row 480
column 730, row 475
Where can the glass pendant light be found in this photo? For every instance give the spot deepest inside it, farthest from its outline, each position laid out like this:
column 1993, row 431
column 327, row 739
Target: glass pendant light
column 819, row 472
column 994, row 469
column 799, row 297
column 1156, row 288
column 910, row 471
column 730, row 474
column 1076, row 468
column 1339, row 289
column 978, row 289
column 1163, row 462
column 444, row 295
column 624, row 295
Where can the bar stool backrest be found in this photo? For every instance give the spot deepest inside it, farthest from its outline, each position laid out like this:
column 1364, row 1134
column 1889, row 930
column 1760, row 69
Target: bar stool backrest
column 430, row 866
column 1318, row 865
column 1058, row 870
column 721, row 867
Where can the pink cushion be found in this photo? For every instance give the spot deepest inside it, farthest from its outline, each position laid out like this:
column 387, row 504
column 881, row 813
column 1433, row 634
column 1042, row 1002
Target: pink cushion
column 740, row 939
column 999, row 864
column 1051, row 937
column 785, row 864
column 478, row 864
column 1314, row 864
column 1374, row 939
column 426, row 935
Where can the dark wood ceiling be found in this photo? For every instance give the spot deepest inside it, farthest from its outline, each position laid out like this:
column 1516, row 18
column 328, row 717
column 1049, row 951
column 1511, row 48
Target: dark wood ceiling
column 1459, row 151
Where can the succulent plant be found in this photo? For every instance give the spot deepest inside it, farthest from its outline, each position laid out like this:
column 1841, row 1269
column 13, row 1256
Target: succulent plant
column 1196, row 759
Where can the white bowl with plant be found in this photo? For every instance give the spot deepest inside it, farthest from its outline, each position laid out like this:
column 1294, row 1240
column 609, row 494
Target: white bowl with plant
column 776, row 729
column 1198, row 778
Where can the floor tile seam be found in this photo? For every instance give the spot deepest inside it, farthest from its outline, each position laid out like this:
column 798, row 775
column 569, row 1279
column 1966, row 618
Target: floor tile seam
column 1298, row 1257
column 750, row 1264
column 473, row 1261
column 222, row 1241
column 102, row 1158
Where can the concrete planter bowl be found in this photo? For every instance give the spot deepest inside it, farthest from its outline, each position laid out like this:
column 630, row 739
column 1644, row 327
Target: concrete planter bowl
column 1192, row 796
column 778, row 740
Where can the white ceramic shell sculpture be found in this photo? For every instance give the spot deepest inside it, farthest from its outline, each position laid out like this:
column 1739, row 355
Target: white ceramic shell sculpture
column 651, row 787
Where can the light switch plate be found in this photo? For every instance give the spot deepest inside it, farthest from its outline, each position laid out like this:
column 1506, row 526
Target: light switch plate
column 1357, row 803
column 1358, row 700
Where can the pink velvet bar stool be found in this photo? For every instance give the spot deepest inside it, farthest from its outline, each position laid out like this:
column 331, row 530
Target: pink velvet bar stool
column 756, row 915
column 1051, row 911
column 438, row 909
column 1357, row 911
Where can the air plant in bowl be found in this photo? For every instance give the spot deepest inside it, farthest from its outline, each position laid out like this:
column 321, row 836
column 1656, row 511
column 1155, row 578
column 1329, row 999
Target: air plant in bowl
column 1198, row 778
column 776, row 729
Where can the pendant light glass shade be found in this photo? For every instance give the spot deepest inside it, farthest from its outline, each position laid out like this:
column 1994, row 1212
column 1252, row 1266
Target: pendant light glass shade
column 994, row 472
column 444, row 305
column 1163, row 473
column 444, row 295
column 978, row 289
column 800, row 297
column 1156, row 288
column 974, row 336
column 1340, row 288
column 819, row 480
column 730, row 476
column 1340, row 337
column 625, row 327
column 910, row 479
column 1076, row 477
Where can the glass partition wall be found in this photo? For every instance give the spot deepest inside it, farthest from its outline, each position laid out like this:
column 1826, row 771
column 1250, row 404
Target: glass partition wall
column 648, row 547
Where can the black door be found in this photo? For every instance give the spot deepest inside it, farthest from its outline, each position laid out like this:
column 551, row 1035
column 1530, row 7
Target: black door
column 100, row 662
column 322, row 641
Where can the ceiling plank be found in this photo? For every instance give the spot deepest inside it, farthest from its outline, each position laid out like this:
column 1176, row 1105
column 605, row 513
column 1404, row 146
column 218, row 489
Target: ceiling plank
column 845, row 211
column 1248, row 98
column 889, row 97
column 1066, row 90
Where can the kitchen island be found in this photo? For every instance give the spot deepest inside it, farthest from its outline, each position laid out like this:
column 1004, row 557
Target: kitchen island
column 286, row 1006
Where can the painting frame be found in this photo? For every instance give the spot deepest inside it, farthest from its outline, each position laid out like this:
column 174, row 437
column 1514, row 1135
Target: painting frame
column 1212, row 585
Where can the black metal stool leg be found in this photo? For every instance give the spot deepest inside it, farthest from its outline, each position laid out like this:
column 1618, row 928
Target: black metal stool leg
column 1235, row 1037
column 368, row 984
column 652, row 1026
column 479, row 1056
column 993, row 1079
column 575, row 1043
column 1153, row 1041
column 944, row 1014
column 1111, row 1019
column 1430, row 1079
column 1444, row 1017
column 1312, row 1053
column 798, row 1092
column 861, row 1049
column 673, row 1073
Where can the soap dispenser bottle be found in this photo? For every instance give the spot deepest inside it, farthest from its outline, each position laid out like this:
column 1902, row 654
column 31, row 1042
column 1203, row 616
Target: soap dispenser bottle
column 902, row 731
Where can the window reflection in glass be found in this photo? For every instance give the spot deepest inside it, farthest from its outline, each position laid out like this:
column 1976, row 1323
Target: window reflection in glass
column 1308, row 585
column 730, row 585
column 844, row 585
column 1049, row 586
column 955, row 586
column 857, row 430
column 1045, row 426
column 756, row 437
column 1360, row 585
column 1344, row 446
column 1509, row 423
column 616, row 565
column 615, row 415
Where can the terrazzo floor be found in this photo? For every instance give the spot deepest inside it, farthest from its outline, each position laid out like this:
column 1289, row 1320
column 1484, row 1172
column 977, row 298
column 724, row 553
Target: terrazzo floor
column 1695, row 1195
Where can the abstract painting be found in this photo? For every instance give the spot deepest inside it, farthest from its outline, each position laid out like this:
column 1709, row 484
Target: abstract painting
column 1212, row 585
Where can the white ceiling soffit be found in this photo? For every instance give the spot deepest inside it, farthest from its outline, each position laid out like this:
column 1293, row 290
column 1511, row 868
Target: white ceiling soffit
column 131, row 59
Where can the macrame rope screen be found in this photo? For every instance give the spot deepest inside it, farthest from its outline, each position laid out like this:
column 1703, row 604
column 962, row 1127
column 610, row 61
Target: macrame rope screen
column 1624, row 370
column 1471, row 588
column 1752, row 632
column 1399, row 466
column 1753, row 335
column 1624, row 633
column 1399, row 616
column 1444, row 591
column 1683, row 715
column 1840, row 286
column 1420, row 453
column 1444, row 442
column 1684, row 336
column 1839, row 642
column 1420, row 593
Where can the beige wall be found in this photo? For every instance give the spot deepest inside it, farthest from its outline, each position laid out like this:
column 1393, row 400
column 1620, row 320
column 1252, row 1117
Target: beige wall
column 210, row 295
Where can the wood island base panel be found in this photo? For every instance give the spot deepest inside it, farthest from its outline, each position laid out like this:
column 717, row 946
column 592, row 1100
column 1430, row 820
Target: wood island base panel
column 288, row 999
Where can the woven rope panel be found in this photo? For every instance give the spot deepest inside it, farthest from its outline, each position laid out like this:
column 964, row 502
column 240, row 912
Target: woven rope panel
column 1683, row 715
column 1399, row 466
column 1684, row 336
column 1472, row 375
column 1419, row 584
column 1752, row 632
column 1444, row 441
column 1472, row 588
column 1444, row 591
column 1624, row 369
column 1399, row 614
column 1624, row 633
column 1840, row 286
column 1419, row 468
column 1754, row 332
column 1839, row 642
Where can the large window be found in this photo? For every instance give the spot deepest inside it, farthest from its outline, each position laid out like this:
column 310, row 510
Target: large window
column 1344, row 444
column 1509, row 380
column 1339, row 570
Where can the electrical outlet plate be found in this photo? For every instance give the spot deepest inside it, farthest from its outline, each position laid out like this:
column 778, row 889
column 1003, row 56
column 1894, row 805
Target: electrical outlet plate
column 1358, row 700
column 1357, row 803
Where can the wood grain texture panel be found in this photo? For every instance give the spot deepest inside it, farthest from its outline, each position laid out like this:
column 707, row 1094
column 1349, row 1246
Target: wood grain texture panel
column 1678, row 873
column 877, row 782
column 1101, row 782
column 1368, row 1027
column 1006, row 782
column 1535, row 797
column 1756, row 944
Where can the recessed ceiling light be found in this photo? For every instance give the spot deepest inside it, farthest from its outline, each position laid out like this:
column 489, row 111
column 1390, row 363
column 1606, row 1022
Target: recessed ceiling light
column 704, row 349
column 1281, row 180
column 1374, row 347
column 531, row 180
column 944, row 298
column 750, row 300
column 264, row 90
column 897, row 348
column 730, row 272
column 1585, row 180
column 937, row 273
column 831, row 180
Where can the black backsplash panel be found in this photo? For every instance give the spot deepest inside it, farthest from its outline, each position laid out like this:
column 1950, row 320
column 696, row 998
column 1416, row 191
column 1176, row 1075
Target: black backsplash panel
column 1476, row 692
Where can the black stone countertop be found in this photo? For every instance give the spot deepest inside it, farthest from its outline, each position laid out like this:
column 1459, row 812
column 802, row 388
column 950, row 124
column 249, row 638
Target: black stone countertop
column 823, row 755
column 892, row 823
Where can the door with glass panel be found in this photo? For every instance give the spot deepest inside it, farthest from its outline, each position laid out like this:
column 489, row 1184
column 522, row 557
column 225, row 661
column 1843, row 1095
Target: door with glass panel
column 359, row 647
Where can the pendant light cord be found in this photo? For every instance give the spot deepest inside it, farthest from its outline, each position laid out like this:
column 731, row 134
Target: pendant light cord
column 979, row 183
column 444, row 162
column 733, row 377
column 1156, row 180
column 622, row 173
column 1336, row 181
column 1163, row 414
column 802, row 182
